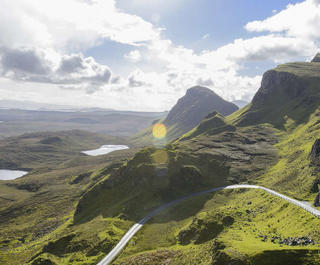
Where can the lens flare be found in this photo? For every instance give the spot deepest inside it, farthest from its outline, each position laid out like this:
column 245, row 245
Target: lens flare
column 159, row 131
column 160, row 157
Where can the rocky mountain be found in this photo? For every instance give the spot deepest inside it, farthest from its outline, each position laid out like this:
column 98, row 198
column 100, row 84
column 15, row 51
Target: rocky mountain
column 189, row 111
column 288, row 94
column 195, row 106
column 316, row 59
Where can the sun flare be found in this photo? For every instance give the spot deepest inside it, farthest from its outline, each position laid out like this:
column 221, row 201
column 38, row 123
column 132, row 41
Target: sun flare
column 159, row 131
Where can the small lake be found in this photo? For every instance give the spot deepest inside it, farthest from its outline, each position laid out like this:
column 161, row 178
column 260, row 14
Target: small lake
column 11, row 174
column 105, row 149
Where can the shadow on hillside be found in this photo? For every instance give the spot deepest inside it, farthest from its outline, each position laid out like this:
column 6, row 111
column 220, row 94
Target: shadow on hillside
column 280, row 257
column 174, row 212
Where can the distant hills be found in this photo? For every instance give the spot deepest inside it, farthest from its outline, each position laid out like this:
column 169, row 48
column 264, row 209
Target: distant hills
column 30, row 105
column 189, row 111
column 111, row 122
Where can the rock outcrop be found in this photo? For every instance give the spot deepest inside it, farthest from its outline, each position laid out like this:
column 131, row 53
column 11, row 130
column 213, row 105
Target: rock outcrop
column 289, row 92
column 276, row 83
column 315, row 152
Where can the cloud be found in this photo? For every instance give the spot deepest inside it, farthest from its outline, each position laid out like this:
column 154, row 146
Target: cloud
column 301, row 20
column 49, row 23
column 115, row 80
column 138, row 79
column 34, row 65
column 206, row 36
column 44, row 44
column 75, row 68
column 134, row 56
column 41, row 42
column 205, row 82
column 269, row 47
column 23, row 62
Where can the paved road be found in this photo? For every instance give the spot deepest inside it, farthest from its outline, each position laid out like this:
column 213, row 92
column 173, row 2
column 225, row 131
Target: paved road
column 134, row 229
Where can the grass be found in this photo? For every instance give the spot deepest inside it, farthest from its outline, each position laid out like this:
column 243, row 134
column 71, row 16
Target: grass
column 240, row 240
column 36, row 208
column 292, row 173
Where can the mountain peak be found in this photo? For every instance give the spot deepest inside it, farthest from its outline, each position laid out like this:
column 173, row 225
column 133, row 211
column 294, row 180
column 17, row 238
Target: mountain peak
column 199, row 89
column 316, row 59
column 195, row 105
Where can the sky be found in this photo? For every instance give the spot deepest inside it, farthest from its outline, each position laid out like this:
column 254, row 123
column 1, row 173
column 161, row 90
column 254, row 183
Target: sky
column 143, row 55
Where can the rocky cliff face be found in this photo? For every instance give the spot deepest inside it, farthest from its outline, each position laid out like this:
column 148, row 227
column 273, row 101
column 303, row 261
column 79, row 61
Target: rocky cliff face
column 275, row 83
column 288, row 93
column 315, row 152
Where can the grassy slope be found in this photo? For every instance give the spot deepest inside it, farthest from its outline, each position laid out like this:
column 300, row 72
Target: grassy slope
column 145, row 137
column 34, row 208
column 158, row 240
column 292, row 174
column 241, row 241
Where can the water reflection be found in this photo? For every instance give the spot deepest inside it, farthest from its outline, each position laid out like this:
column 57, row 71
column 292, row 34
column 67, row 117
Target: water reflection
column 105, row 149
column 6, row 174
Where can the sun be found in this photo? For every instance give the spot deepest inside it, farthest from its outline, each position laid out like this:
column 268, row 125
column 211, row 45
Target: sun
column 159, row 131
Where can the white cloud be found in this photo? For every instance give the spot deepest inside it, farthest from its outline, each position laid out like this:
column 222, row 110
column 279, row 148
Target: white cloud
column 301, row 20
column 41, row 41
column 45, row 41
column 269, row 47
column 134, row 56
column 71, row 24
column 205, row 36
column 34, row 65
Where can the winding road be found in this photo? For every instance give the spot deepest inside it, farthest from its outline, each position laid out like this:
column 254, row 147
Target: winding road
column 135, row 228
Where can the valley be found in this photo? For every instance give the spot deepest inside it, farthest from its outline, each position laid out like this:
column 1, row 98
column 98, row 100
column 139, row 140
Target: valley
column 159, row 132
column 109, row 122
column 73, row 208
